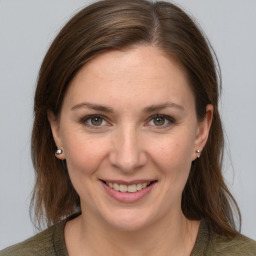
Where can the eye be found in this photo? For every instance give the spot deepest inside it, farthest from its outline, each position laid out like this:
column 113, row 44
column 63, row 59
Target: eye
column 161, row 121
column 94, row 121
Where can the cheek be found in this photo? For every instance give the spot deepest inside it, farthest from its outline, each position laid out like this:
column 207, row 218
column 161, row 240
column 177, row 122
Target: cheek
column 172, row 150
column 84, row 157
column 84, row 154
column 172, row 157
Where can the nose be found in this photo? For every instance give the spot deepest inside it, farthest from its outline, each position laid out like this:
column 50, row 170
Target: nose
column 127, row 154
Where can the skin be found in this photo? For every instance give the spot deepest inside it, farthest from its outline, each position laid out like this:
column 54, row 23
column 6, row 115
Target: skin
column 129, row 144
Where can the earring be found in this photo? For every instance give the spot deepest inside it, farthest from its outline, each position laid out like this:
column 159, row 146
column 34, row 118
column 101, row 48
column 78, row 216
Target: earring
column 198, row 151
column 58, row 152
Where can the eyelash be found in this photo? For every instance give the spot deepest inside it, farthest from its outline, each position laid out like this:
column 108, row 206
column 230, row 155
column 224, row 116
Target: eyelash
column 170, row 120
column 85, row 120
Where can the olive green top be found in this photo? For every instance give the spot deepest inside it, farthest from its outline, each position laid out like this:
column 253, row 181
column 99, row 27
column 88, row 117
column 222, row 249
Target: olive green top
column 51, row 242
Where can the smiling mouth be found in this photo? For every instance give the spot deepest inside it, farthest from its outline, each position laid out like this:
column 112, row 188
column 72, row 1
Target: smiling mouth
column 132, row 188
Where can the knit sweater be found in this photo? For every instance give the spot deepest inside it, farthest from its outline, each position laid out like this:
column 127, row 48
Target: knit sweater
column 51, row 242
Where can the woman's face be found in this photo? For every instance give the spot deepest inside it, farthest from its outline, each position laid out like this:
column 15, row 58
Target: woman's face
column 128, row 122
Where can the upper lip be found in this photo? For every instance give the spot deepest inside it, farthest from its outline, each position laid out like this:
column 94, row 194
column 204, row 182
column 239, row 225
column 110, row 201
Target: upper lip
column 129, row 182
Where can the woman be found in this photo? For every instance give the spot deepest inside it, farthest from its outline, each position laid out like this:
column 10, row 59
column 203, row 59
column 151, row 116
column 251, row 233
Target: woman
column 127, row 140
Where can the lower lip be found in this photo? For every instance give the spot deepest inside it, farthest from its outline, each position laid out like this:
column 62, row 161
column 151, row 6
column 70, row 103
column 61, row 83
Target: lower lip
column 127, row 197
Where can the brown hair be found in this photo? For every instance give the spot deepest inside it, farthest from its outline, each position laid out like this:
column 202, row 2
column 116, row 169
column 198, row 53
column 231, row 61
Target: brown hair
column 108, row 25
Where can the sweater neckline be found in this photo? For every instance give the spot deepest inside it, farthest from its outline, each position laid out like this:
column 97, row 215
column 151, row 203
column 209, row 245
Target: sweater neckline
column 202, row 240
column 60, row 248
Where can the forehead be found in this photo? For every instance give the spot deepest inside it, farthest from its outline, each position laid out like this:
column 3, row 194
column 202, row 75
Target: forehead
column 142, row 74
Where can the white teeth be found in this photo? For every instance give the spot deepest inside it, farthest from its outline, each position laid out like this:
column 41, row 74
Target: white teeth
column 144, row 185
column 116, row 186
column 127, row 188
column 139, row 186
column 132, row 188
column 123, row 188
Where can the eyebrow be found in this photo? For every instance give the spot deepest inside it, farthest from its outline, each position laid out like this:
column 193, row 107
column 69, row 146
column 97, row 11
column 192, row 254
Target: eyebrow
column 94, row 107
column 154, row 108
column 151, row 108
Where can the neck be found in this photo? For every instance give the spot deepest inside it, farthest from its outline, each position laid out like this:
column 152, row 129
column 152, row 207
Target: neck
column 174, row 235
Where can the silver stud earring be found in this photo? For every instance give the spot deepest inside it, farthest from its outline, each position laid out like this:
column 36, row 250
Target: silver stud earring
column 198, row 151
column 58, row 152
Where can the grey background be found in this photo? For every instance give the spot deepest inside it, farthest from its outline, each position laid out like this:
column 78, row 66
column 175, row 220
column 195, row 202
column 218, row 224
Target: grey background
column 26, row 29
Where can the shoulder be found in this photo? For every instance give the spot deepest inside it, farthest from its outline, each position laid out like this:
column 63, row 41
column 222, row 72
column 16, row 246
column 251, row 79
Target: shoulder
column 41, row 244
column 212, row 244
column 239, row 245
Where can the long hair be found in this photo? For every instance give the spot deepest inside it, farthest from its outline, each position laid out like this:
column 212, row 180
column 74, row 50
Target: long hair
column 112, row 25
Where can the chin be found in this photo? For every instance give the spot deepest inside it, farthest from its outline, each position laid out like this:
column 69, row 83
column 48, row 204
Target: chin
column 129, row 220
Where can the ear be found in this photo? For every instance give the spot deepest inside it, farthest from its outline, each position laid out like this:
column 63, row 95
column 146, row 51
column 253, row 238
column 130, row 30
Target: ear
column 55, row 127
column 203, row 131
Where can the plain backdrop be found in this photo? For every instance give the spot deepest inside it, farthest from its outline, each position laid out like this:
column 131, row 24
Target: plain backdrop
column 27, row 28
